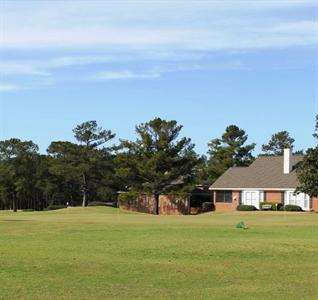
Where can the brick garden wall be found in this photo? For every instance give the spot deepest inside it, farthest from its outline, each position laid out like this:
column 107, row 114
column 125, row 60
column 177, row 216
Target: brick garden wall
column 144, row 204
column 172, row 205
column 168, row 205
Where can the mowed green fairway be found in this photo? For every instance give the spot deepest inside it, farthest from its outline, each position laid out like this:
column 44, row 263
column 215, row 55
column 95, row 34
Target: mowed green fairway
column 105, row 253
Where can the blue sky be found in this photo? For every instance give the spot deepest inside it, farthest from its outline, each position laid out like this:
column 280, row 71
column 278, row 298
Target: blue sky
column 207, row 64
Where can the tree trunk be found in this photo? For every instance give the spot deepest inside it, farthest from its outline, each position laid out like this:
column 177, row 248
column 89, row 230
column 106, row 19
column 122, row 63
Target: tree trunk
column 156, row 194
column 84, row 199
column 14, row 204
column 84, row 203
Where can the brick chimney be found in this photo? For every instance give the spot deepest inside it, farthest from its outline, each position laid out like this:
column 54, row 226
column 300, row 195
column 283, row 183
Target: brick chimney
column 288, row 163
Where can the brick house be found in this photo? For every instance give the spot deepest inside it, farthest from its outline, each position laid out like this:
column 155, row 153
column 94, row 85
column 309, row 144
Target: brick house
column 267, row 179
column 170, row 204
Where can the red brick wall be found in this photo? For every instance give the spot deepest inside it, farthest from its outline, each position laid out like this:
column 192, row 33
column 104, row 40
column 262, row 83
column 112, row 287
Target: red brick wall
column 315, row 203
column 236, row 198
column 168, row 205
column 275, row 197
column 172, row 205
column 142, row 205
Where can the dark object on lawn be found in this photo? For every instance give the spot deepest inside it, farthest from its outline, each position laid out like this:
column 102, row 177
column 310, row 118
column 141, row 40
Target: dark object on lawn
column 241, row 225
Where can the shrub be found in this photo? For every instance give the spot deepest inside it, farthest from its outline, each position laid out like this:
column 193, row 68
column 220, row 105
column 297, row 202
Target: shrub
column 207, row 206
column 246, row 208
column 292, row 208
column 56, row 207
column 96, row 203
column 279, row 206
column 28, row 210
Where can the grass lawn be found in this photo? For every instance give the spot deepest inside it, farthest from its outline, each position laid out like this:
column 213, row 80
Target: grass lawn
column 105, row 253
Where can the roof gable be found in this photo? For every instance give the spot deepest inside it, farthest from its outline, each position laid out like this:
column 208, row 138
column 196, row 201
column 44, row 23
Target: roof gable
column 266, row 172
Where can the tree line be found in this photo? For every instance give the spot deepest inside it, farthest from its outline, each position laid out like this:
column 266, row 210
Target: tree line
column 158, row 161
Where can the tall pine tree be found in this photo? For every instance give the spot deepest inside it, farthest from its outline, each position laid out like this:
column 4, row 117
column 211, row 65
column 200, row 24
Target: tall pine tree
column 158, row 161
column 278, row 142
column 228, row 151
column 82, row 162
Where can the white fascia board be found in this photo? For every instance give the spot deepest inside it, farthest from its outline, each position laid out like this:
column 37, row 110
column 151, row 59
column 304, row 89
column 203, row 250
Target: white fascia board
column 252, row 189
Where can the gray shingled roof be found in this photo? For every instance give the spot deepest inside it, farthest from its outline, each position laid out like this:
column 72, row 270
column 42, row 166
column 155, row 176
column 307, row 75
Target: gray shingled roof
column 266, row 172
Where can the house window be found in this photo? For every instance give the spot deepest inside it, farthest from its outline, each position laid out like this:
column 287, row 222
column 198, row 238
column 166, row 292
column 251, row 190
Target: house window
column 223, row 196
column 252, row 198
column 147, row 201
column 295, row 199
column 301, row 200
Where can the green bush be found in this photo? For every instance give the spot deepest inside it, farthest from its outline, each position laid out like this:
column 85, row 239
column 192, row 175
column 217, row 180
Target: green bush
column 279, row 206
column 96, row 203
column 207, row 206
column 292, row 208
column 28, row 210
column 56, row 207
column 246, row 208
column 274, row 206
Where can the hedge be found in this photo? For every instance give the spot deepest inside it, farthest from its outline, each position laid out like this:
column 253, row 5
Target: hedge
column 246, row 208
column 291, row 208
column 56, row 207
column 96, row 203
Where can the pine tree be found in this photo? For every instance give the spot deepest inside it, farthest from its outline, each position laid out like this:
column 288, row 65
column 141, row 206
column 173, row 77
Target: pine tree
column 279, row 141
column 157, row 161
column 228, row 151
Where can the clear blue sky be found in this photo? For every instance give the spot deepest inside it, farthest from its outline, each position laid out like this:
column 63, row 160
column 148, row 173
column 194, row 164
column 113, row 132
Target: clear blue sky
column 207, row 64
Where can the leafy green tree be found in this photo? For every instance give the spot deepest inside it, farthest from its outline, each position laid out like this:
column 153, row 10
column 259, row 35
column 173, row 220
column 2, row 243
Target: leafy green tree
column 228, row 151
column 17, row 169
column 278, row 142
column 158, row 161
column 308, row 170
